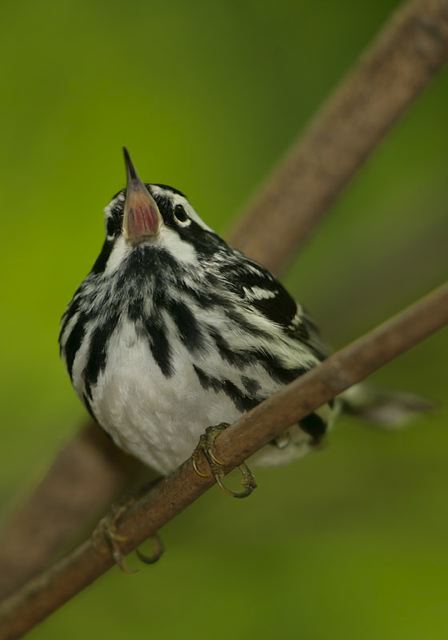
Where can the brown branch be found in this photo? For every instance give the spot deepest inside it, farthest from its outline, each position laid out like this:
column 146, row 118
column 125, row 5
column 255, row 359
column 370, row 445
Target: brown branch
column 395, row 69
column 43, row 595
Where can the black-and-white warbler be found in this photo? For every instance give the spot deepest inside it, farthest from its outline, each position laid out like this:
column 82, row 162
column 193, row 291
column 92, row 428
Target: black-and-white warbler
column 173, row 331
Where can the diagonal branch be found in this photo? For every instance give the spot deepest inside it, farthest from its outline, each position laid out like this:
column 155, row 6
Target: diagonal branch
column 43, row 595
column 397, row 66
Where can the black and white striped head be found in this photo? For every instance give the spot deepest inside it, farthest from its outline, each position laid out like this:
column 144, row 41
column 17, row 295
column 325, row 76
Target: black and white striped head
column 152, row 215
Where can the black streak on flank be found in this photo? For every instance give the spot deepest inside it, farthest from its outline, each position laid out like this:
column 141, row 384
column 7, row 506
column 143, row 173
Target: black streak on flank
column 187, row 325
column 73, row 342
column 239, row 399
column 97, row 350
column 239, row 319
column 89, row 406
column 88, row 390
column 251, row 385
column 160, row 347
column 236, row 358
column 277, row 371
column 68, row 315
column 314, row 426
column 243, row 358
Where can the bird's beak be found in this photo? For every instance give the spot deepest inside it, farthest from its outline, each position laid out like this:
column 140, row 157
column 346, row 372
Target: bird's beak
column 141, row 219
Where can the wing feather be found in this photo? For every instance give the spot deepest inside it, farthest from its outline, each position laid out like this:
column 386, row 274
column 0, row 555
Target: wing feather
column 259, row 289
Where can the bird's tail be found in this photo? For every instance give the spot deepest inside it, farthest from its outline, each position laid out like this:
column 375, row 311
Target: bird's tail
column 386, row 409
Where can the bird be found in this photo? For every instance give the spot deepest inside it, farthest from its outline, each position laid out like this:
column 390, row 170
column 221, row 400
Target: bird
column 174, row 334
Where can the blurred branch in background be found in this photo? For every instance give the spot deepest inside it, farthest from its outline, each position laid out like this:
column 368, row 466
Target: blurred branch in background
column 255, row 429
column 89, row 472
column 388, row 77
column 420, row 259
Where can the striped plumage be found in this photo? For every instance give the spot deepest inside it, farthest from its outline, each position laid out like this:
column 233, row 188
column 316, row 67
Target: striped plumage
column 173, row 331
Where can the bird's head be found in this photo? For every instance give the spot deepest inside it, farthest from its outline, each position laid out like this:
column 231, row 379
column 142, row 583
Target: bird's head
column 146, row 217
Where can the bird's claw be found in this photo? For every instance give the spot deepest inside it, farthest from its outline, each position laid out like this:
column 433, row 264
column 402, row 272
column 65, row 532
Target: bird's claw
column 107, row 529
column 206, row 448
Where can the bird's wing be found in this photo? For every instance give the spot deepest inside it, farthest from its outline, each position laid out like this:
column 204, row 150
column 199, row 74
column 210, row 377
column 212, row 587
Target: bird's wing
column 258, row 288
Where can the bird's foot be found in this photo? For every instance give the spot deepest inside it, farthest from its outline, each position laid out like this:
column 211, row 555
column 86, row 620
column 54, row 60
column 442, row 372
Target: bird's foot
column 108, row 530
column 206, row 448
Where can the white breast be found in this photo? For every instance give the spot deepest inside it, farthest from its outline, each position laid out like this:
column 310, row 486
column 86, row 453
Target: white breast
column 157, row 419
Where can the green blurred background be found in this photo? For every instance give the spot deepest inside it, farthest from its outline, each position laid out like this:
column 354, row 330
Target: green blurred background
column 207, row 96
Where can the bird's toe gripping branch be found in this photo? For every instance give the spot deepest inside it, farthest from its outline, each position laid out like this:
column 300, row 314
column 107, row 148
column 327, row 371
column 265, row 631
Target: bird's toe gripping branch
column 108, row 530
column 206, row 448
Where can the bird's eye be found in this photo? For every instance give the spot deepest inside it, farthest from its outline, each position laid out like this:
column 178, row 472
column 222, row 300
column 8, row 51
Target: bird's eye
column 180, row 216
